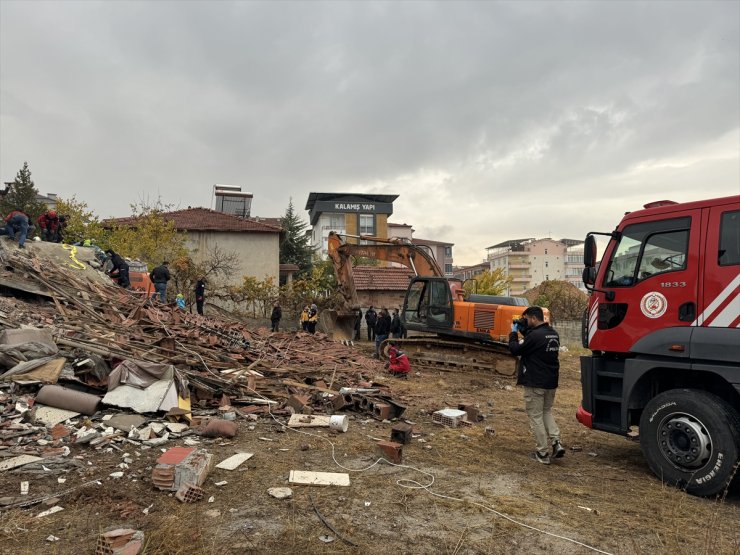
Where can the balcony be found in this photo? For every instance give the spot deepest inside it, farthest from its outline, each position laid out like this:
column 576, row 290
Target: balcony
column 520, row 278
column 519, row 266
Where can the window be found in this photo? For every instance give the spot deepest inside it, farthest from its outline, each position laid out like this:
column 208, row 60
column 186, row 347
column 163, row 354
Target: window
column 547, row 278
column 448, row 251
column 367, row 224
column 648, row 249
column 729, row 239
column 575, row 259
column 448, row 268
column 545, row 251
column 336, row 221
column 547, row 264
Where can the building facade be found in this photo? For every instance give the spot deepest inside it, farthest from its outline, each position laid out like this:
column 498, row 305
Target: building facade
column 347, row 214
column 529, row 262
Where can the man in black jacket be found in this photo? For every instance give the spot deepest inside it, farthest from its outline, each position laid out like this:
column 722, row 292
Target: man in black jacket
column 371, row 318
column 200, row 293
column 382, row 330
column 538, row 372
column 160, row 276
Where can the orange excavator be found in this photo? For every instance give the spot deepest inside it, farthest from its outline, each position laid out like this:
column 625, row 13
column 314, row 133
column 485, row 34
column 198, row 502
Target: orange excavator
column 450, row 329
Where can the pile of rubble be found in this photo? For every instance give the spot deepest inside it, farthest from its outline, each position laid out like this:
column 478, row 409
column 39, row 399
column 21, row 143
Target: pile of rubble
column 86, row 363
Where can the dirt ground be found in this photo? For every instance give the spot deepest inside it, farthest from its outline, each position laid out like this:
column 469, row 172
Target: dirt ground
column 459, row 491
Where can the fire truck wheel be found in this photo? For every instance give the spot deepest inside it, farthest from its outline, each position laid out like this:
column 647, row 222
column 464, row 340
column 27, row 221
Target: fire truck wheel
column 691, row 439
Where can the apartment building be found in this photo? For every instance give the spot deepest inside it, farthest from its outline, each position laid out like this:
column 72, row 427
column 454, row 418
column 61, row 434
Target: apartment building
column 347, row 214
column 531, row 261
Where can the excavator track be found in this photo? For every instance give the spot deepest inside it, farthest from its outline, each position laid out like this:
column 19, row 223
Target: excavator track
column 456, row 355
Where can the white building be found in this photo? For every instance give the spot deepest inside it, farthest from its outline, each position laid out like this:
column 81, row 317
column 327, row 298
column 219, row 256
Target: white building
column 531, row 261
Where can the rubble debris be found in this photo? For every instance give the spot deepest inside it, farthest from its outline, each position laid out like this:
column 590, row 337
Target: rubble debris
column 318, row 478
column 452, row 418
column 147, row 387
column 15, row 462
column 54, row 509
column 280, row 493
column 233, row 462
column 125, row 422
column 189, row 493
column 181, row 465
column 68, row 399
column 120, row 541
column 50, row 416
column 401, row 433
column 392, row 450
column 220, row 428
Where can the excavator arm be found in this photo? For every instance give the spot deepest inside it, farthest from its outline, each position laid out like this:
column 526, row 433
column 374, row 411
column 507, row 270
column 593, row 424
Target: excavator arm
column 414, row 257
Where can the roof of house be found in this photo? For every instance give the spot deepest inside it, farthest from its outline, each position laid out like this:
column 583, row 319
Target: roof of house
column 381, row 279
column 205, row 219
column 419, row 241
column 313, row 198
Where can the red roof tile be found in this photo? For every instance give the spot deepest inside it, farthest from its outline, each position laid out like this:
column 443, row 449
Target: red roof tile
column 381, row 279
column 204, row 219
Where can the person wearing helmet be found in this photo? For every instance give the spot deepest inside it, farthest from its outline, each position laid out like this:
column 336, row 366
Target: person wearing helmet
column 50, row 227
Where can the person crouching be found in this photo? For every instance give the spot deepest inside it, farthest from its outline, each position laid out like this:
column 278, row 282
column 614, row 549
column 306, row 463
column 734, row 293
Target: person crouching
column 398, row 362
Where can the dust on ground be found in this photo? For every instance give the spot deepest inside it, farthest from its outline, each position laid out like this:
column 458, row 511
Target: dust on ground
column 460, row 491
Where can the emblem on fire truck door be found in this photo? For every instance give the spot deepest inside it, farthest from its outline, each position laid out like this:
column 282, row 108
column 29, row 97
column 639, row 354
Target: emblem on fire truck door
column 654, row 304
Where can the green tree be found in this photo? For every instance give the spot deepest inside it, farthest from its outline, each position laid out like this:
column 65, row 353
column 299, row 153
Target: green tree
column 148, row 235
column 22, row 195
column 295, row 245
column 216, row 265
column 564, row 300
column 493, row 282
column 81, row 223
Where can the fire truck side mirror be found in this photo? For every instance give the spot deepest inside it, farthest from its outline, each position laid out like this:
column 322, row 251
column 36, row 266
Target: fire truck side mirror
column 589, row 254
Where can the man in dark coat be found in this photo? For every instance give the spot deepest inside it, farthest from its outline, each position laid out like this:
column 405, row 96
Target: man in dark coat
column 200, row 293
column 120, row 269
column 538, row 372
column 358, row 325
column 396, row 329
column 382, row 330
column 371, row 318
column 17, row 221
column 277, row 314
column 160, row 276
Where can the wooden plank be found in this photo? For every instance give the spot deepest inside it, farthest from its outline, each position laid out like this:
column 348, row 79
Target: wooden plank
column 318, row 478
column 308, row 421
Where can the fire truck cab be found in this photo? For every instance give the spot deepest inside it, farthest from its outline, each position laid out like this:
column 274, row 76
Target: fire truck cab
column 663, row 327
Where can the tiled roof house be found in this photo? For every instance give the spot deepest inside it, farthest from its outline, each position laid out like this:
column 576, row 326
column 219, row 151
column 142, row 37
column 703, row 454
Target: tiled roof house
column 256, row 242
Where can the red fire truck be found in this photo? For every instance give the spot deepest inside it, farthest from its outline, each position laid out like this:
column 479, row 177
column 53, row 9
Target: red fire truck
column 663, row 325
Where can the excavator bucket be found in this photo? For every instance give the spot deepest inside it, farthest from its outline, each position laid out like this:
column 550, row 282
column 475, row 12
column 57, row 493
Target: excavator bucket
column 340, row 326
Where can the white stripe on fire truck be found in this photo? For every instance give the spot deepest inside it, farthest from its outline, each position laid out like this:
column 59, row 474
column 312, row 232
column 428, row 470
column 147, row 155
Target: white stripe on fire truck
column 728, row 315
column 592, row 320
column 717, row 302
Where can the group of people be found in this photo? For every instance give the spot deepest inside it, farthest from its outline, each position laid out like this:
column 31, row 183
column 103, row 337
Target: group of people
column 18, row 226
column 309, row 318
column 395, row 327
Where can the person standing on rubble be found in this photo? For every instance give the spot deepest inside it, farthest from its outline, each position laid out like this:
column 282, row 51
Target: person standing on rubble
column 277, row 314
column 200, row 294
column 358, row 325
column 160, row 276
column 17, row 221
column 382, row 330
column 313, row 318
column 304, row 318
column 119, row 271
column 538, row 372
column 371, row 318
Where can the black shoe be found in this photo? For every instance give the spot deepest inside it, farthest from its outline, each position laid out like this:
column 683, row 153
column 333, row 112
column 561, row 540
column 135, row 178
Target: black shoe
column 558, row 451
column 21, row 247
column 544, row 459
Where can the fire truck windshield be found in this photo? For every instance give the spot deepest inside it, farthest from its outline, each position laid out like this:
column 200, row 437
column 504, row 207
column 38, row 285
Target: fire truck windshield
column 647, row 249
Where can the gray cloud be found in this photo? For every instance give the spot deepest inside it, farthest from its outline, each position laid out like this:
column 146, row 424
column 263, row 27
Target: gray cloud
column 491, row 120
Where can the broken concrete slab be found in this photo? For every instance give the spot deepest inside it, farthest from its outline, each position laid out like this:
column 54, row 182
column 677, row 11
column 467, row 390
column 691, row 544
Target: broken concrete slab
column 20, row 460
column 318, row 478
column 120, row 541
column 233, row 462
column 280, row 493
column 124, row 422
column 50, row 416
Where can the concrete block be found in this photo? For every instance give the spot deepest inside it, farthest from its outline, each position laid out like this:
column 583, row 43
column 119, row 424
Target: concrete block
column 391, row 450
column 401, row 433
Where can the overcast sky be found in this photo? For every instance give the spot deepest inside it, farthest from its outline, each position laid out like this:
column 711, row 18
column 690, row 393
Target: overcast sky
column 491, row 120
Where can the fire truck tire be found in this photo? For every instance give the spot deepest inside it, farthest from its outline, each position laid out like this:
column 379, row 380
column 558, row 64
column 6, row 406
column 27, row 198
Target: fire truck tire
column 691, row 439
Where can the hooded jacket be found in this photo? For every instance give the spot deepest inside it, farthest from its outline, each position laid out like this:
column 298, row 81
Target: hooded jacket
column 539, row 366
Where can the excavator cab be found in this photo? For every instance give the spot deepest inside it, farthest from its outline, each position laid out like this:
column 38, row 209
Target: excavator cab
column 428, row 304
